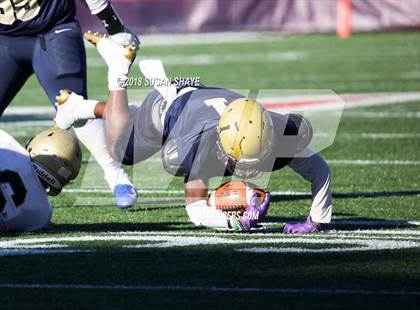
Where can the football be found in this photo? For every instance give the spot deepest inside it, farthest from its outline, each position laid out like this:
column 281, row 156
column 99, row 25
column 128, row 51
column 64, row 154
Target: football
column 235, row 196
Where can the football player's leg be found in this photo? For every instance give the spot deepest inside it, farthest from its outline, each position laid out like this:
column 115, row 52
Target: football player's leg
column 315, row 170
column 59, row 63
column 73, row 108
column 14, row 74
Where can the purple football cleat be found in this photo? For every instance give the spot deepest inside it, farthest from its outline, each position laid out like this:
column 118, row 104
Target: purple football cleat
column 253, row 215
column 308, row 227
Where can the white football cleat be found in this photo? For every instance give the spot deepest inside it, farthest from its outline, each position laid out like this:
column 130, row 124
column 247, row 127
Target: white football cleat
column 117, row 56
column 66, row 104
column 71, row 108
column 126, row 39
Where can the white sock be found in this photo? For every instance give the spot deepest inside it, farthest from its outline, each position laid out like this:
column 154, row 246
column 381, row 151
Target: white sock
column 93, row 137
column 85, row 110
column 117, row 81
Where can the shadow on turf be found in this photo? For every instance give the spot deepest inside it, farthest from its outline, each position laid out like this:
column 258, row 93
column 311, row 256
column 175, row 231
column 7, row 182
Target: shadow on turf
column 348, row 195
column 350, row 223
column 114, row 227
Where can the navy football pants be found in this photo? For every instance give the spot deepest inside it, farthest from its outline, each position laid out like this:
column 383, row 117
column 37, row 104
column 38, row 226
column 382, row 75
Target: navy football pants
column 57, row 58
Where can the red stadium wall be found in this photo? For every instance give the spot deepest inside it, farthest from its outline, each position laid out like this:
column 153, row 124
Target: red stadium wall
column 289, row 16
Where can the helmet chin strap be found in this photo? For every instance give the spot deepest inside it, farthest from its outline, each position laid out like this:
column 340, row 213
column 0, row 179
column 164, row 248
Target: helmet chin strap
column 242, row 171
column 51, row 191
column 44, row 176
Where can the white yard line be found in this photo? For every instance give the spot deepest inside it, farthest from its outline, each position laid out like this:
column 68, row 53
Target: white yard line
column 181, row 192
column 25, row 124
column 214, row 59
column 172, row 39
column 369, row 135
column 17, row 130
column 140, row 241
column 362, row 162
column 30, row 110
column 210, row 289
column 273, row 250
column 324, row 100
column 380, row 135
column 50, row 112
column 160, row 191
column 381, row 114
column 279, row 102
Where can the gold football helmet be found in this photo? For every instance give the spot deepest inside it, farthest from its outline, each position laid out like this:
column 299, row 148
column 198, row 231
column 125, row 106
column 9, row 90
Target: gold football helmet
column 56, row 157
column 245, row 136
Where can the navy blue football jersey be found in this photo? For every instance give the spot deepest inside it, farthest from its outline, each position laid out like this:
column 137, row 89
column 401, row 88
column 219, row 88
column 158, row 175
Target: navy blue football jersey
column 192, row 120
column 32, row 17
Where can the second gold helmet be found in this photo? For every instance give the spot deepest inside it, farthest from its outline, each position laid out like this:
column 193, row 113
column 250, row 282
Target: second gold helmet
column 56, row 157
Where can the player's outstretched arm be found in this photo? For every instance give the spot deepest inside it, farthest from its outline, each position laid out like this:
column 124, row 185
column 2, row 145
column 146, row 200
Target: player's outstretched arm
column 315, row 170
column 200, row 213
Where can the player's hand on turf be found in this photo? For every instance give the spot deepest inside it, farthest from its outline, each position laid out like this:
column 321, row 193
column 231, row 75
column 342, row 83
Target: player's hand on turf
column 253, row 215
column 302, row 228
column 118, row 56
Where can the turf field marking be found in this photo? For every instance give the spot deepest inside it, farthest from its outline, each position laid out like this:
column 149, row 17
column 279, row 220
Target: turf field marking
column 370, row 135
column 209, row 289
column 334, row 101
column 374, row 162
column 274, row 250
column 40, row 251
column 156, row 241
column 280, row 102
column 382, row 114
column 359, row 223
column 330, row 161
column 273, row 193
column 376, row 223
column 18, row 131
column 332, row 233
column 30, row 111
column 160, row 191
column 205, row 38
column 212, row 59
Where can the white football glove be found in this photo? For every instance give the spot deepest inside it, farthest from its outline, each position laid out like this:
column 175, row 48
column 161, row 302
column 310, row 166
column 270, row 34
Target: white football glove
column 71, row 108
column 118, row 58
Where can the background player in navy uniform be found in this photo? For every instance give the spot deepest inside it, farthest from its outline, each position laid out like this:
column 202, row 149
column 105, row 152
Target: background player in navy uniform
column 42, row 37
column 50, row 161
column 204, row 132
